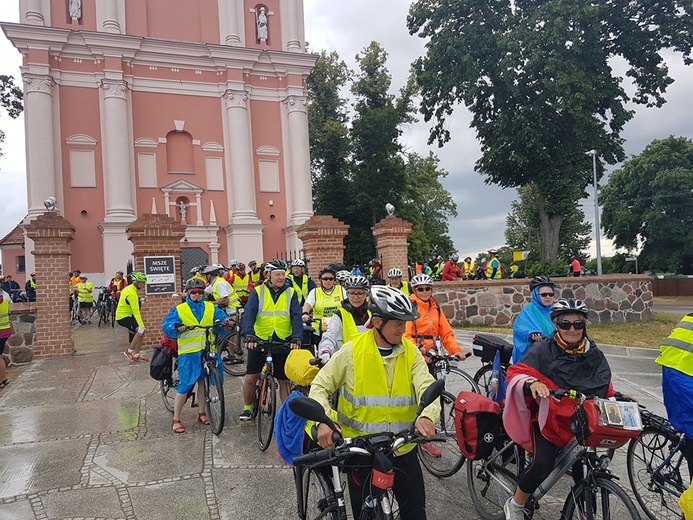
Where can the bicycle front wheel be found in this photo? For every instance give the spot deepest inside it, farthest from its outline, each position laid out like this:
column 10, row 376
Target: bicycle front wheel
column 168, row 393
column 657, row 493
column 443, row 459
column 605, row 501
column 492, row 481
column 456, row 380
column 318, row 496
column 266, row 410
column 233, row 355
column 214, row 389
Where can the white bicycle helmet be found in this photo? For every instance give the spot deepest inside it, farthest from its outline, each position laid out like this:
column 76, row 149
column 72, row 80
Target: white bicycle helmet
column 356, row 282
column 391, row 304
column 214, row 268
column 394, row 273
column 343, row 275
column 298, row 263
column 274, row 266
column 568, row 306
column 455, row 257
column 421, row 279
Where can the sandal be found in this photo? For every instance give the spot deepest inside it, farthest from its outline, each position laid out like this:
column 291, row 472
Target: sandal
column 177, row 427
column 4, row 383
column 202, row 417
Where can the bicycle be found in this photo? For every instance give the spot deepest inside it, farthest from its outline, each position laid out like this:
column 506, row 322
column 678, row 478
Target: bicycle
column 265, row 398
column 74, row 311
column 486, row 348
column 101, row 306
column 234, row 362
column 319, row 489
column 213, row 383
column 444, row 458
column 657, row 468
column 493, row 480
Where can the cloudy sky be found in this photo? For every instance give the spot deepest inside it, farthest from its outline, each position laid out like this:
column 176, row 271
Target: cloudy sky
column 348, row 27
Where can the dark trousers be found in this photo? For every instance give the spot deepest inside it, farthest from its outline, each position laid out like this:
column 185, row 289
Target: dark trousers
column 408, row 487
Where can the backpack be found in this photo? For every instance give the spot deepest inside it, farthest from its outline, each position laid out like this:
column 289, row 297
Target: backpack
column 477, row 424
column 161, row 364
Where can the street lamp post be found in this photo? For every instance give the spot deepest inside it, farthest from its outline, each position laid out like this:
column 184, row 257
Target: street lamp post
column 597, row 230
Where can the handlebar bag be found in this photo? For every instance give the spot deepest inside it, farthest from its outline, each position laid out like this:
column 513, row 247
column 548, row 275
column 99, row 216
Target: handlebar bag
column 591, row 431
column 161, row 364
column 477, row 424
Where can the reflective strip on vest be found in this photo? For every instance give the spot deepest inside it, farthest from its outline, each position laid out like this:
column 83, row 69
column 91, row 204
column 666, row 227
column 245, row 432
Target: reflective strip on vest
column 83, row 295
column 499, row 270
column 255, row 277
column 326, row 304
column 302, row 290
column 273, row 317
column 676, row 351
column 193, row 340
column 240, row 285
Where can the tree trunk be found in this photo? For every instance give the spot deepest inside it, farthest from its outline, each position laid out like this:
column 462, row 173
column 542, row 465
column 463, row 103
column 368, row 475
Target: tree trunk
column 549, row 228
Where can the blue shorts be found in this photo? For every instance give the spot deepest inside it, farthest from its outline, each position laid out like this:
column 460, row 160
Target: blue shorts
column 677, row 388
column 190, row 371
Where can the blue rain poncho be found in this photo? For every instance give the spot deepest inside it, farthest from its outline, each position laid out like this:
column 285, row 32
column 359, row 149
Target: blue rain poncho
column 533, row 318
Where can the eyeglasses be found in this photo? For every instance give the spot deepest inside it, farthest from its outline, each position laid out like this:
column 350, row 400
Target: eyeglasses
column 546, row 295
column 565, row 324
column 424, row 289
column 327, row 279
column 196, row 292
column 357, row 294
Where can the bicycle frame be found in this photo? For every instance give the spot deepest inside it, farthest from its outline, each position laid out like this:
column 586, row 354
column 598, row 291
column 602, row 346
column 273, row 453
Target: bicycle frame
column 657, row 478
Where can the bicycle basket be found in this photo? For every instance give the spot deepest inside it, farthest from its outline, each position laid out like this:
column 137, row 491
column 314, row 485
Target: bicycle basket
column 605, row 424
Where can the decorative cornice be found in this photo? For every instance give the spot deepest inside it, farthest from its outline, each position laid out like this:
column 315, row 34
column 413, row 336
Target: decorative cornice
column 146, row 142
column 234, row 98
column 266, row 149
column 212, row 147
column 296, row 104
column 81, row 139
column 114, row 89
column 38, row 84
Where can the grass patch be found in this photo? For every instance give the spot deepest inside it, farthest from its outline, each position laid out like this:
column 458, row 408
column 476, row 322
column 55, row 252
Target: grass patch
column 636, row 334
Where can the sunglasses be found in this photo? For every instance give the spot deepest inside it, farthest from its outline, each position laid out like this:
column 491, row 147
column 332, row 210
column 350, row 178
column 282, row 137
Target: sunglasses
column 546, row 295
column 565, row 324
column 197, row 291
column 424, row 289
column 327, row 279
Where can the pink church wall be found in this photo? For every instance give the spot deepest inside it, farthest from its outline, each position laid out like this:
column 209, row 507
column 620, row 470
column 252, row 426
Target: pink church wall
column 60, row 16
column 79, row 114
column 273, row 22
column 9, row 264
column 181, row 20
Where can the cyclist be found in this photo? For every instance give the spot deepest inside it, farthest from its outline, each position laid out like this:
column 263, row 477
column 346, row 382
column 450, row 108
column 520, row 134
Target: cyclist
column 342, row 276
column 193, row 311
column 118, row 283
column 349, row 320
column 196, row 272
column 676, row 359
column 325, row 300
column 5, row 331
column 468, row 269
column 494, row 269
column 271, row 314
column 301, row 282
column 30, row 288
column 256, row 276
column 384, row 367
column 566, row 359
column 450, row 270
column 395, row 277
column 534, row 320
column 241, row 282
column 128, row 316
column 218, row 290
column 85, row 296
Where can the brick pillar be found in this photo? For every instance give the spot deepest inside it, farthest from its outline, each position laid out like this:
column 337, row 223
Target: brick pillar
column 155, row 235
column 391, row 243
column 51, row 234
column 323, row 241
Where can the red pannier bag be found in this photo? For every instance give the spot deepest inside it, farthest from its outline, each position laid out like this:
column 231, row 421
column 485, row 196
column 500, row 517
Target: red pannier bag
column 585, row 425
column 477, row 424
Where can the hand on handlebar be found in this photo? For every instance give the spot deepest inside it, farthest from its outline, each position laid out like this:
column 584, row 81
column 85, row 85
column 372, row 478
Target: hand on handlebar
column 539, row 389
column 325, row 439
column 425, row 427
column 295, row 344
column 250, row 342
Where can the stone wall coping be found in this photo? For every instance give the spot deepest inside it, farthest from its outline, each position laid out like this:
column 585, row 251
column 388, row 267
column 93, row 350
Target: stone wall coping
column 392, row 225
column 566, row 280
column 23, row 308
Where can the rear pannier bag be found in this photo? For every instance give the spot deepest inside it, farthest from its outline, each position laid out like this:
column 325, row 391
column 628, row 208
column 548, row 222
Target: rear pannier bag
column 477, row 424
column 161, row 364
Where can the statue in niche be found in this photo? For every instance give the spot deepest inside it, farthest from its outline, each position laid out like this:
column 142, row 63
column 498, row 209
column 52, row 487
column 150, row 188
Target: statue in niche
column 183, row 208
column 261, row 19
column 75, row 9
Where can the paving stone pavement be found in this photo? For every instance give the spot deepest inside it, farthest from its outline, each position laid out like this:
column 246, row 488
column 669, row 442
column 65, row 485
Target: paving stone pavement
column 87, row 437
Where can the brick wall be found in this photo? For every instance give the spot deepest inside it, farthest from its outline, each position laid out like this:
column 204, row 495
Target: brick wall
column 391, row 243
column 155, row 235
column 52, row 235
column 323, row 241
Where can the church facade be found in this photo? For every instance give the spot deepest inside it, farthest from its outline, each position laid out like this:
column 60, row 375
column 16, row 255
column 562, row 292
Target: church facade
column 191, row 108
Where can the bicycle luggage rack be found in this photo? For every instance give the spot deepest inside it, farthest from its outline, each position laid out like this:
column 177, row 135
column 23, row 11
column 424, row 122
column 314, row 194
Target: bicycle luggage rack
column 486, row 347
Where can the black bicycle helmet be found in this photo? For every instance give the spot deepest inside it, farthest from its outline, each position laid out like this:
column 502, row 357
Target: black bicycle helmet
column 194, row 283
column 336, row 267
column 391, row 304
column 327, row 269
column 539, row 281
column 568, row 306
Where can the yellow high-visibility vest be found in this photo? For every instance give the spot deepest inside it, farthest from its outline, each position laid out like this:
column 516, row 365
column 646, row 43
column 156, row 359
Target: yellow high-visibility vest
column 349, row 328
column 326, row 304
column 193, row 340
column 677, row 350
column 273, row 317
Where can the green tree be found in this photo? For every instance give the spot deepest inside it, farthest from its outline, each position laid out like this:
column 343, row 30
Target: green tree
column 648, row 205
column 523, row 221
column 329, row 136
column 428, row 206
column 538, row 80
column 10, row 99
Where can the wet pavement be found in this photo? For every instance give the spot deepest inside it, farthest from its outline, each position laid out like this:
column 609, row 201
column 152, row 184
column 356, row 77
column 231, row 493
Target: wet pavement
column 88, row 437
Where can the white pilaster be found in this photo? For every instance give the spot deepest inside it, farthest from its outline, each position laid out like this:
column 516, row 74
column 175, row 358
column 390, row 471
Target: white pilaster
column 231, row 27
column 110, row 16
column 41, row 175
column 198, row 208
column 31, row 12
column 299, row 175
column 117, row 171
column 117, row 249
column 292, row 17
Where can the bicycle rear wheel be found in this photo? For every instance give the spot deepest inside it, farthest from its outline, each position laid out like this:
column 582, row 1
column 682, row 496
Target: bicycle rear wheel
column 318, row 496
column 492, row 481
column 646, row 454
column 443, row 459
column 607, row 501
column 233, row 357
column 114, row 304
column 266, row 410
column 214, row 390
column 168, row 391
column 483, row 378
column 456, row 380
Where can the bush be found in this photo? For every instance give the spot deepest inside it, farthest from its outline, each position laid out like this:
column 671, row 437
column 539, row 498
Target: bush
column 547, row 269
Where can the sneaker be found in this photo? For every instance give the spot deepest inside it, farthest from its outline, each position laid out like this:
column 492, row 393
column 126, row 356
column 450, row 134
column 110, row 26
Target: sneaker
column 513, row 512
column 245, row 416
column 129, row 355
column 431, row 450
column 141, row 358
